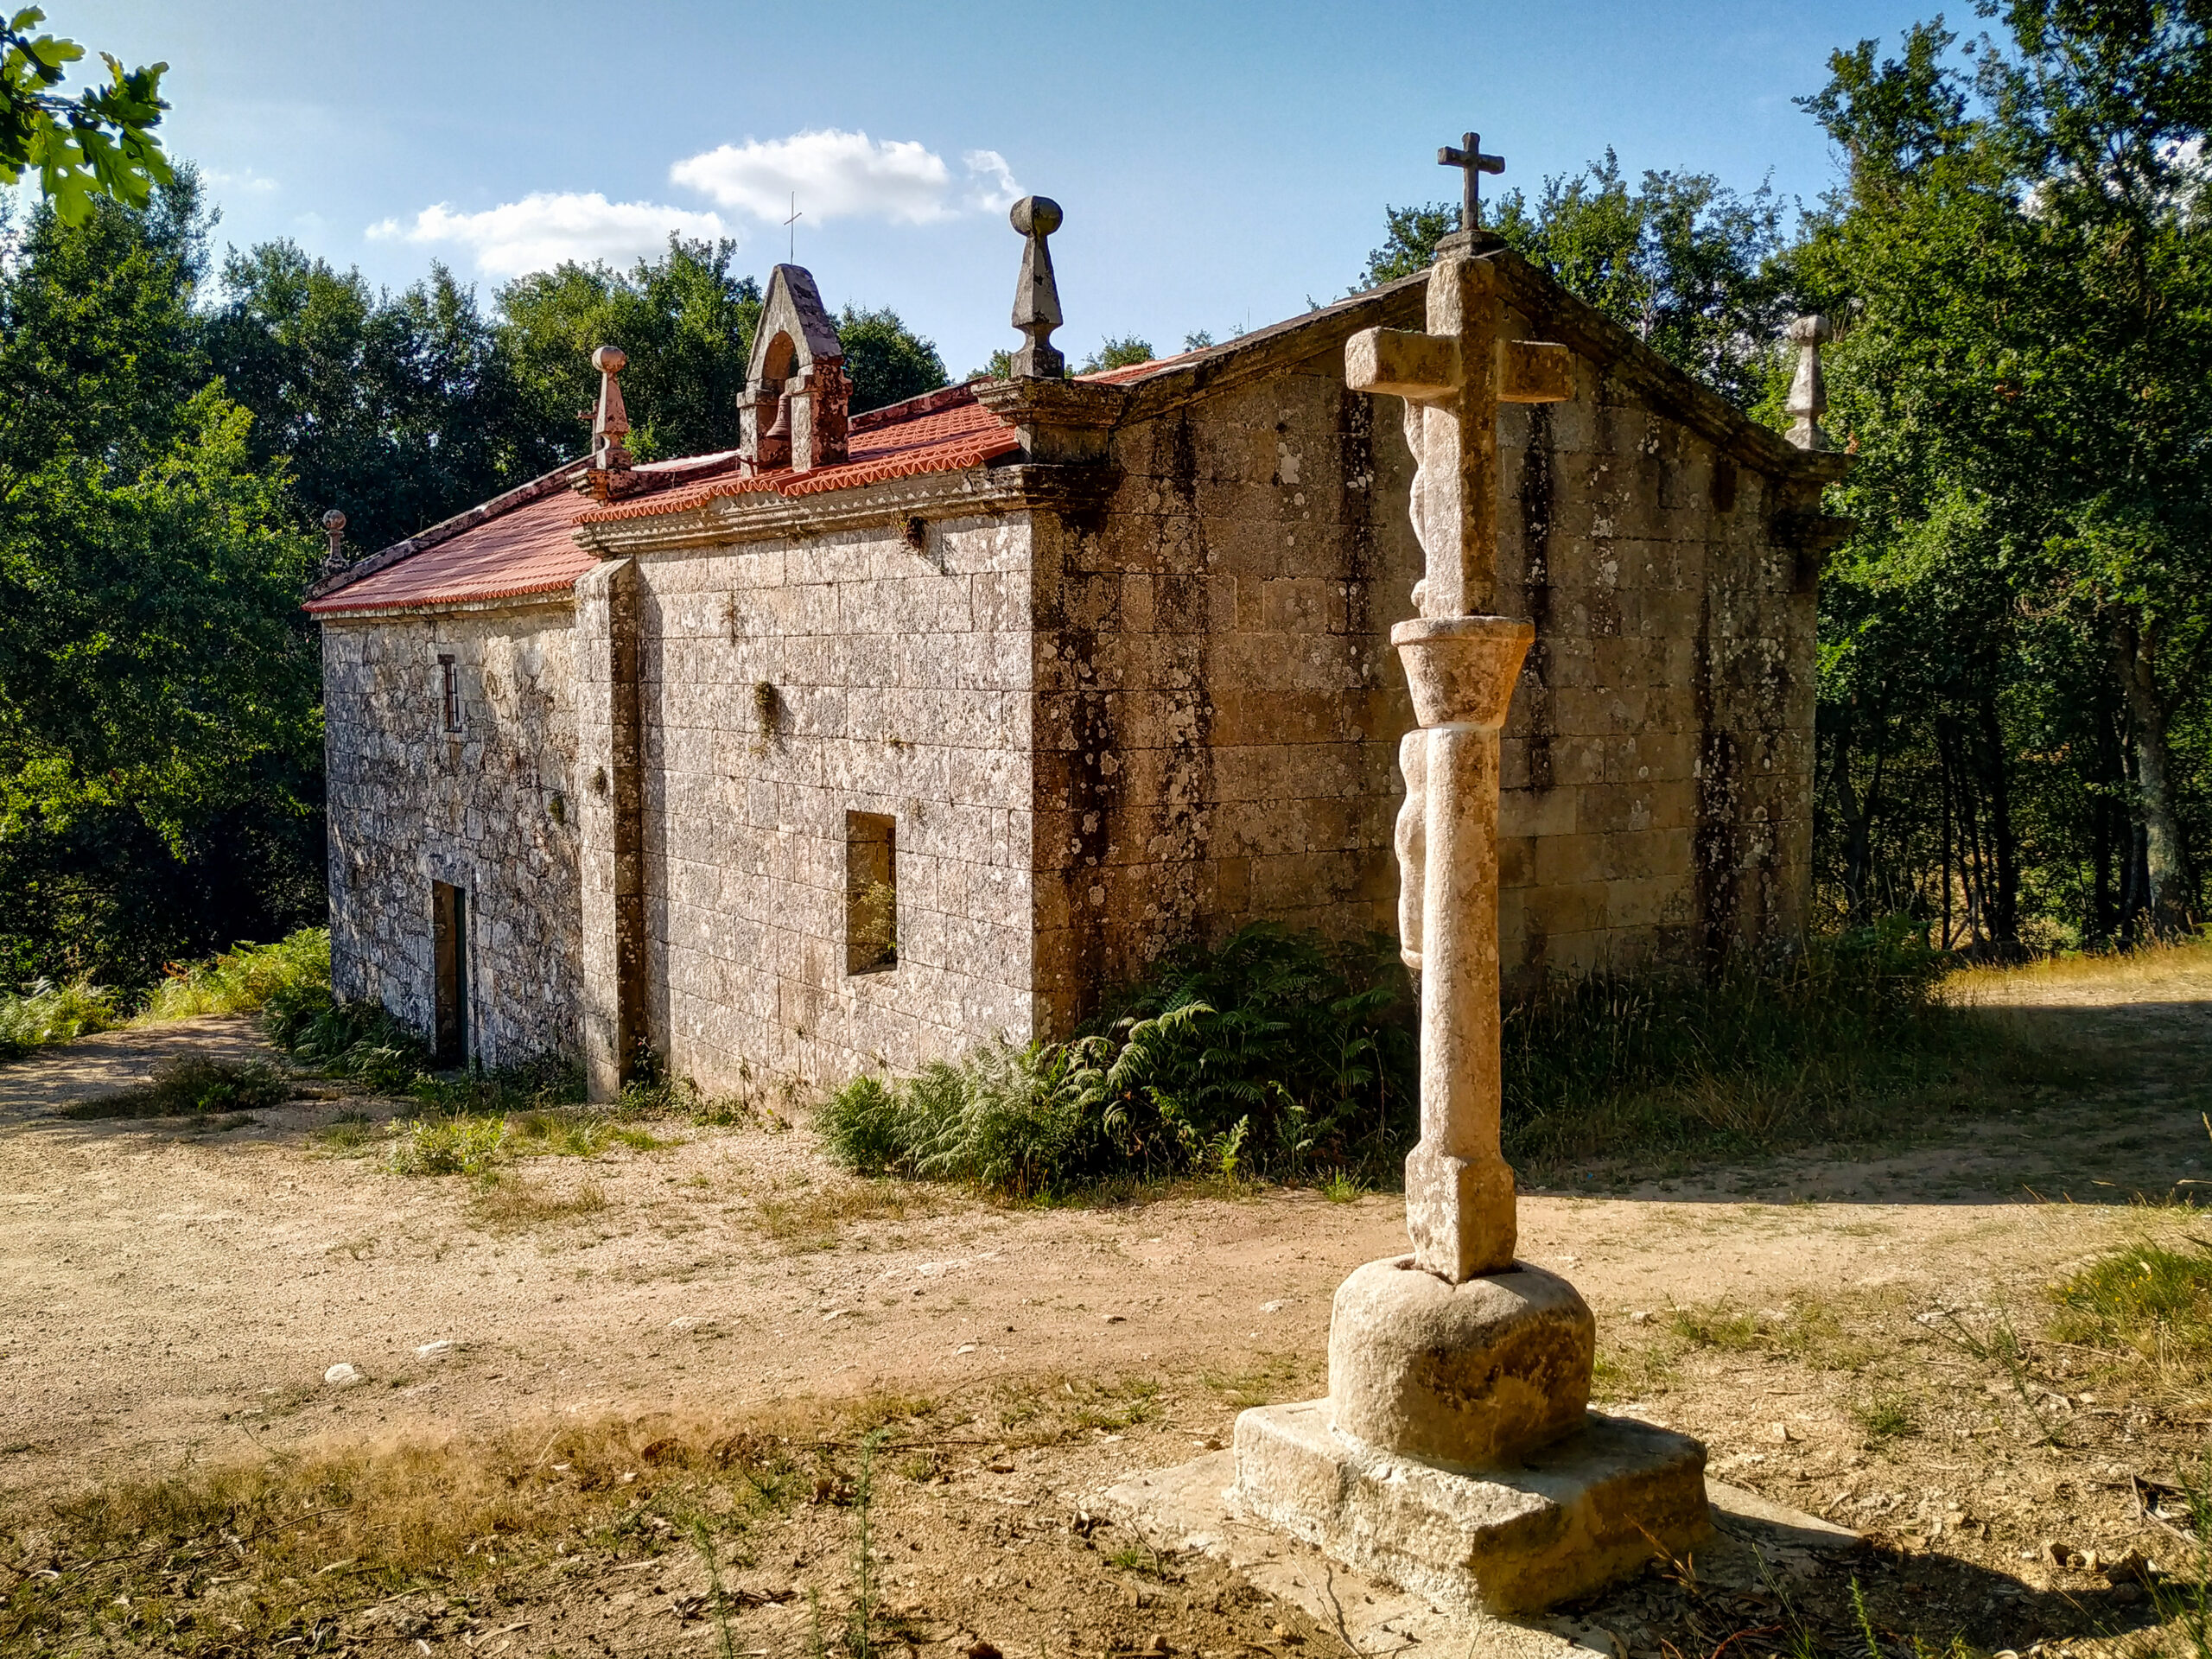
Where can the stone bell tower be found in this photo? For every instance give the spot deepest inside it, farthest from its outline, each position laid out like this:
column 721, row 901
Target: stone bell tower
column 794, row 411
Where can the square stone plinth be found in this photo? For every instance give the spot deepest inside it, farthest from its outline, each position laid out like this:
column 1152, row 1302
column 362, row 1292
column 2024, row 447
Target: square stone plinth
column 1582, row 1513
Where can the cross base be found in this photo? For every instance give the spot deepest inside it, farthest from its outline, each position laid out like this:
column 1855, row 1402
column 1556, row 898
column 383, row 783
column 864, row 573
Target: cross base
column 1583, row 1513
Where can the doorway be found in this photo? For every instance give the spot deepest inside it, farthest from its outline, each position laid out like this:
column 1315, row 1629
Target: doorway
column 449, row 970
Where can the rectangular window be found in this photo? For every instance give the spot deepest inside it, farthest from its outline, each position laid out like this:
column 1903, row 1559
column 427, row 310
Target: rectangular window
column 871, row 893
column 449, row 693
column 449, row 971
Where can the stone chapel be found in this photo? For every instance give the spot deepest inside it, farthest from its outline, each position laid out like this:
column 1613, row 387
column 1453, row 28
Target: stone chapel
column 890, row 732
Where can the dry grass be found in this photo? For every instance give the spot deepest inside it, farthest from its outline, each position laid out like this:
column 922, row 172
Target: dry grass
column 812, row 1218
column 511, row 1204
column 254, row 1555
column 2115, row 970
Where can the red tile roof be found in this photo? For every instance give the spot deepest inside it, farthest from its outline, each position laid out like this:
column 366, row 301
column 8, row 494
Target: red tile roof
column 959, row 433
column 531, row 547
column 530, row 550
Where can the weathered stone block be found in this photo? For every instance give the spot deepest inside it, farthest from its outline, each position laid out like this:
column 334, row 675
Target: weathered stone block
column 1590, row 1508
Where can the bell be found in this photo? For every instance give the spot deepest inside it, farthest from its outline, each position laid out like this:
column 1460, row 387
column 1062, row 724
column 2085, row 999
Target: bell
column 782, row 426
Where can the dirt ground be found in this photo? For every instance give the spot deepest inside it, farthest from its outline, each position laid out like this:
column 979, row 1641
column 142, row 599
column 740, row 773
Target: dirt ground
column 172, row 1296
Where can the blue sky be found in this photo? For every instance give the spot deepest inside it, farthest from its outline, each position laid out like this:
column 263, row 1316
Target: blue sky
column 1219, row 163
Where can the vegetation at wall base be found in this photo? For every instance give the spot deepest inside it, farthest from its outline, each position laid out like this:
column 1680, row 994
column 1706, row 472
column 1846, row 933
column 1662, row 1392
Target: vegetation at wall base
column 1281, row 1055
column 1276, row 1053
column 1617, row 1065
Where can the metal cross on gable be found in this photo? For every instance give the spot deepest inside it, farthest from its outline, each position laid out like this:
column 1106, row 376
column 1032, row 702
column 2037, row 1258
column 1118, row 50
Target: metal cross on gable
column 792, row 225
column 1470, row 157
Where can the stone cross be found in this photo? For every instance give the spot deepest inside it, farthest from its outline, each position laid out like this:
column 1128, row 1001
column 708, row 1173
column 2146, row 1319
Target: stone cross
column 1461, row 663
column 1468, row 153
column 1037, row 292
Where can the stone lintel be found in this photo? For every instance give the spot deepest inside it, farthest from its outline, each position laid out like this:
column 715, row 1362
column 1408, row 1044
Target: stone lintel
column 1582, row 1513
column 766, row 516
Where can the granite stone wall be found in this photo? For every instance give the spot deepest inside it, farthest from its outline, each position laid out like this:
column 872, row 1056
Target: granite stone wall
column 1658, row 763
column 1217, row 711
column 883, row 672
column 1219, row 708
column 488, row 809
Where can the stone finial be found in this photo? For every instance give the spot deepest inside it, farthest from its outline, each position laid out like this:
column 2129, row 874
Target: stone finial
column 1808, row 393
column 610, row 422
column 333, row 526
column 1037, row 292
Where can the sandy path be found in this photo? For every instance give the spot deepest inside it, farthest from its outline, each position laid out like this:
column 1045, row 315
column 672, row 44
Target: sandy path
column 120, row 1059
column 164, row 1292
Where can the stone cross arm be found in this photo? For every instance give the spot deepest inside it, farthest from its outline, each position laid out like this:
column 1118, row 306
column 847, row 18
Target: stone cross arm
column 1426, row 368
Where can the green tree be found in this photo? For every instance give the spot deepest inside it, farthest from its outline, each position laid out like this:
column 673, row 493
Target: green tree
column 98, row 144
column 2021, row 254
column 400, row 409
column 1117, row 351
column 1688, row 265
column 685, row 322
column 1409, row 241
column 887, row 361
column 160, row 738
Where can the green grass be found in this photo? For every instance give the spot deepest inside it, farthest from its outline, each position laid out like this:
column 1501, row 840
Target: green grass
column 48, row 1012
column 446, row 1146
column 2151, row 1302
column 242, row 980
column 1887, row 1414
column 191, row 1085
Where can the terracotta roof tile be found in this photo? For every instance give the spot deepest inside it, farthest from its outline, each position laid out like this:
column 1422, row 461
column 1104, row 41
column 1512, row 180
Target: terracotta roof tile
column 938, row 440
column 531, row 550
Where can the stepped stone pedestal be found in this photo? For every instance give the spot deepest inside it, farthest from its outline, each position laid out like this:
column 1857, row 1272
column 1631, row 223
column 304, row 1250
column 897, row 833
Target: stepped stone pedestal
column 1455, row 1455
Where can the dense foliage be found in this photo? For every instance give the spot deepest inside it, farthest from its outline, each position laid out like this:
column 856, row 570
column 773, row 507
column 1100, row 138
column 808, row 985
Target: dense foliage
column 2013, row 730
column 1276, row 1052
column 160, row 737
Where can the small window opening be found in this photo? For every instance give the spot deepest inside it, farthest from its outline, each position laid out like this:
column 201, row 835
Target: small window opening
column 449, row 972
column 871, row 893
column 449, row 693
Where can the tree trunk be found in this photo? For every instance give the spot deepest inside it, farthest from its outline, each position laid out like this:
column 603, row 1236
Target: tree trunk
column 1943, row 771
column 2005, row 903
column 1857, row 833
column 2165, row 856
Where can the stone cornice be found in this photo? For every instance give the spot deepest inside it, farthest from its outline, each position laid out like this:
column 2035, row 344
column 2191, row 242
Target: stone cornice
column 764, row 516
column 552, row 599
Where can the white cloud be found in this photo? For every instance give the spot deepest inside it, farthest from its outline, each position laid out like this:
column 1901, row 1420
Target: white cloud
column 840, row 174
column 542, row 230
column 992, row 187
column 258, row 183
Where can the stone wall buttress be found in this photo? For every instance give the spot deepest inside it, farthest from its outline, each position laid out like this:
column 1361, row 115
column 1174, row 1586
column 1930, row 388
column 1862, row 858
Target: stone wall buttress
column 611, row 865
